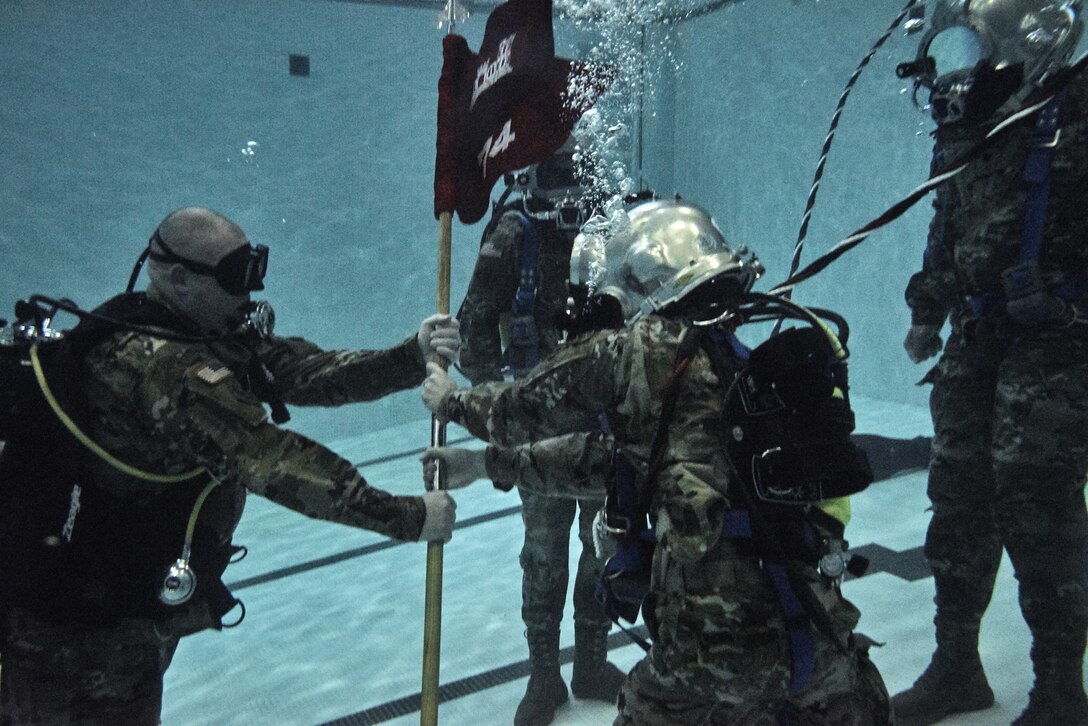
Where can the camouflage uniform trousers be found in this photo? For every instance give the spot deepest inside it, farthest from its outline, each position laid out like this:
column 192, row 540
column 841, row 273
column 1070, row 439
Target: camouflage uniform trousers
column 647, row 701
column 56, row 675
column 544, row 558
column 701, row 675
column 1008, row 470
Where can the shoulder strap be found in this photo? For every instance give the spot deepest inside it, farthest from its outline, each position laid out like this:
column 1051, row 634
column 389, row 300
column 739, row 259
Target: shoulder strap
column 529, row 258
column 127, row 311
column 523, row 330
column 627, row 505
column 1024, row 277
column 684, row 353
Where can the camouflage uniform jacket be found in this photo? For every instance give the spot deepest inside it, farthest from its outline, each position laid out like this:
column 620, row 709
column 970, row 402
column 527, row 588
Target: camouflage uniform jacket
column 572, row 466
column 169, row 407
column 976, row 232
column 716, row 623
column 492, row 290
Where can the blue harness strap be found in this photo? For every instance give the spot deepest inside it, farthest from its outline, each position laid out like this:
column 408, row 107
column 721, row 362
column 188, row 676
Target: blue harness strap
column 1024, row 277
column 990, row 303
column 523, row 333
column 530, row 254
column 727, row 337
column 798, row 628
column 737, row 525
column 1037, row 175
column 624, row 580
column 627, row 499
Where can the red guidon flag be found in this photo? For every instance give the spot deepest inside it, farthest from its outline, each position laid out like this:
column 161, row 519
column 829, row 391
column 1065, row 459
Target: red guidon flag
column 508, row 107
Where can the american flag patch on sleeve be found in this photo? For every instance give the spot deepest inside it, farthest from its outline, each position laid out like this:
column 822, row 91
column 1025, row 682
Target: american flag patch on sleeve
column 213, row 373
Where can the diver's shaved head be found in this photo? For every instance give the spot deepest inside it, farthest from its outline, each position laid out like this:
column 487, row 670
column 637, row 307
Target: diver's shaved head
column 201, row 235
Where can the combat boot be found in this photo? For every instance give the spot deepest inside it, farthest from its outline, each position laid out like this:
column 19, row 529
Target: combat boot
column 594, row 677
column 948, row 686
column 546, row 690
column 1056, row 699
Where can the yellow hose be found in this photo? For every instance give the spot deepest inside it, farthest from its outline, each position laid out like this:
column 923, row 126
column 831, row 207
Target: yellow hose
column 101, row 453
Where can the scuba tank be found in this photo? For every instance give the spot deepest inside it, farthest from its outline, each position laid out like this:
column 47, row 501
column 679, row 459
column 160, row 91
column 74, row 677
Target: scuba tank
column 75, row 551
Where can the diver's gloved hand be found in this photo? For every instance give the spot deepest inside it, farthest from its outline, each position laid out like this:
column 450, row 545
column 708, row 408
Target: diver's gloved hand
column 923, row 342
column 437, row 386
column 604, row 539
column 439, row 335
column 462, row 466
column 441, row 514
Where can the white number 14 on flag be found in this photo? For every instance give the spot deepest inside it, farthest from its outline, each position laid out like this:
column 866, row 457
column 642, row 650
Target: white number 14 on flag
column 493, row 148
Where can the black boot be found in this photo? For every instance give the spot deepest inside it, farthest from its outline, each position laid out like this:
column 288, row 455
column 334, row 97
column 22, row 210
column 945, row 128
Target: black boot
column 949, row 685
column 1053, row 580
column 594, row 677
column 546, row 690
column 1048, row 709
column 1057, row 698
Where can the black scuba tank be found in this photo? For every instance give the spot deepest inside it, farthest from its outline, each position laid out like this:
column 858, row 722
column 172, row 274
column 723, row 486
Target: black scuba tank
column 789, row 421
column 73, row 550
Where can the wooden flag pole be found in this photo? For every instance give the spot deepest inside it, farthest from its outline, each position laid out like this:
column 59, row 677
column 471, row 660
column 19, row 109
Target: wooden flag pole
column 432, row 608
column 444, row 206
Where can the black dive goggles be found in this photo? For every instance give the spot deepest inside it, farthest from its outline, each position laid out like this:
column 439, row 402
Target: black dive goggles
column 239, row 272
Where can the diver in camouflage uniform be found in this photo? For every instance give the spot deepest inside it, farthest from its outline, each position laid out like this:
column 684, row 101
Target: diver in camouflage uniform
column 173, row 398
column 1007, row 263
column 509, row 321
column 720, row 652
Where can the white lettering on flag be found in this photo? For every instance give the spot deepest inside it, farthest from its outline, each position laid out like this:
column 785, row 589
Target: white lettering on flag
column 489, row 72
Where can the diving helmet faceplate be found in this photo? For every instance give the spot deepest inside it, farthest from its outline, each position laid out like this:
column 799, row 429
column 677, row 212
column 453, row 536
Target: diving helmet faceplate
column 656, row 254
column 981, row 57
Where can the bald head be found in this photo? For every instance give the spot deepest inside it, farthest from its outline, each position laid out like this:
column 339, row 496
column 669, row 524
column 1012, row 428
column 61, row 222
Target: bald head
column 184, row 248
column 201, row 235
